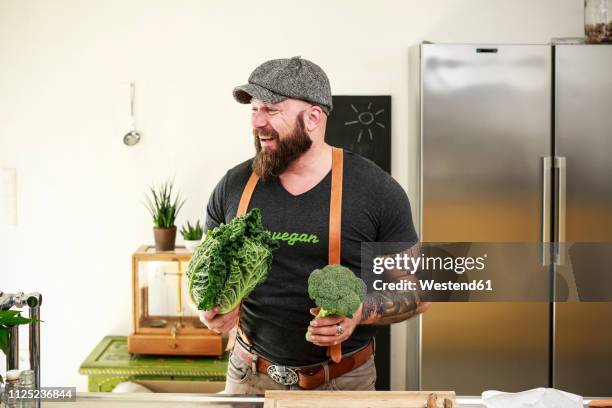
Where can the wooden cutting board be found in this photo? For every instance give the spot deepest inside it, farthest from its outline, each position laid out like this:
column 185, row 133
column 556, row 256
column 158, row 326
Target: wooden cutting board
column 354, row 399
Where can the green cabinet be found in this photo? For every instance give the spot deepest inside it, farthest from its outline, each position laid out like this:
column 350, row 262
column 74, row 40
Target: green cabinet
column 110, row 364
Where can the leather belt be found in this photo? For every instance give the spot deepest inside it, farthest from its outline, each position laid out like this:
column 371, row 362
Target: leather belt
column 308, row 377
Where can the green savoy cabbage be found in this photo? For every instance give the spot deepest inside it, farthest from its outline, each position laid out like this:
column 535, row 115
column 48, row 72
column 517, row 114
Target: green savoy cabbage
column 230, row 262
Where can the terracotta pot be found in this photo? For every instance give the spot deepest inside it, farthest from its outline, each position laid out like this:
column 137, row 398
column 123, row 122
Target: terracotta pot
column 165, row 238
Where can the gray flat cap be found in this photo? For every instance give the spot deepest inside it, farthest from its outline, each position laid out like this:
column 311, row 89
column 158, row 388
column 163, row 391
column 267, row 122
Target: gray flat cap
column 279, row 79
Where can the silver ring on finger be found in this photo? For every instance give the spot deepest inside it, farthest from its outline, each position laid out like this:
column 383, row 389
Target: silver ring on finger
column 339, row 329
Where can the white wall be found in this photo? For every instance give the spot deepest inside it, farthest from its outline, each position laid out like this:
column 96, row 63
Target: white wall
column 64, row 73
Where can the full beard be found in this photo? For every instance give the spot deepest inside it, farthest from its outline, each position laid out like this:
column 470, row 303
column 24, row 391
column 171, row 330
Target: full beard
column 270, row 163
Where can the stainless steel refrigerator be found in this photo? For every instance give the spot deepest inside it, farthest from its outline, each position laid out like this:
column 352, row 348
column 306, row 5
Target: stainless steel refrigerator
column 516, row 147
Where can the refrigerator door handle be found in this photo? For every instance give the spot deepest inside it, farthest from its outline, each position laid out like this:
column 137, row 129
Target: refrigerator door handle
column 547, row 165
column 486, row 50
column 561, row 173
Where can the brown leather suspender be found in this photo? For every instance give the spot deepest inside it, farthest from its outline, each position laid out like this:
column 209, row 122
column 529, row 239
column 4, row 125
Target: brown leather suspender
column 335, row 225
column 335, row 207
column 243, row 205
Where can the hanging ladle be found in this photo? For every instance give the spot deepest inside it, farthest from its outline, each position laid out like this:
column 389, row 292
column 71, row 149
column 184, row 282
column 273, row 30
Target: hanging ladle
column 132, row 137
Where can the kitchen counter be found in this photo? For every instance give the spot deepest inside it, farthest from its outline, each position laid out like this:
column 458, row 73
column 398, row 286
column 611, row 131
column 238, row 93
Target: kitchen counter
column 167, row 400
column 156, row 400
column 152, row 400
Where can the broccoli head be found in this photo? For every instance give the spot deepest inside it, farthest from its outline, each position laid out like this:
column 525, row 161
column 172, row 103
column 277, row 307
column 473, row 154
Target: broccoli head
column 336, row 290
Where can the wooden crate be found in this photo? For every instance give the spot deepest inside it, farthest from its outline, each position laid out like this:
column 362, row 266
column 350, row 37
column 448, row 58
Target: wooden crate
column 190, row 337
column 184, row 344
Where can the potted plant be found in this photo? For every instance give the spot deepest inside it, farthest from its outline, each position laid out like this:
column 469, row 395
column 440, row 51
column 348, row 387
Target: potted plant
column 192, row 234
column 9, row 318
column 164, row 208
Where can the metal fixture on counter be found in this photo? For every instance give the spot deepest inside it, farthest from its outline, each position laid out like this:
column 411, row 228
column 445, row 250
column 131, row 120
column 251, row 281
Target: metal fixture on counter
column 133, row 136
column 32, row 301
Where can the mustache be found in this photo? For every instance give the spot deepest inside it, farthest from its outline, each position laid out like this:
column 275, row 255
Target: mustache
column 265, row 133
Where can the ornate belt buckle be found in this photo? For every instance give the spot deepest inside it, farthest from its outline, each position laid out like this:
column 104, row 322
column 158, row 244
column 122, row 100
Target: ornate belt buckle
column 283, row 375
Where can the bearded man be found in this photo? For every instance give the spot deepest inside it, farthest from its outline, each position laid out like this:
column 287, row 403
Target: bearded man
column 291, row 180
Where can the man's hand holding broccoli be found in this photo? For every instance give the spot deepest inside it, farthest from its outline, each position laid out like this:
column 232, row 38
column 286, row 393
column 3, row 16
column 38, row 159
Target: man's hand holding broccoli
column 338, row 293
column 322, row 330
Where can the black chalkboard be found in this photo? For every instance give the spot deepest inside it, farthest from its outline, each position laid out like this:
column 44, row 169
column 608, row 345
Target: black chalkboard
column 362, row 124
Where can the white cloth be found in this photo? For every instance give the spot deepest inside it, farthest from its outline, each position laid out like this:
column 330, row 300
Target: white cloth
column 536, row 398
column 129, row 387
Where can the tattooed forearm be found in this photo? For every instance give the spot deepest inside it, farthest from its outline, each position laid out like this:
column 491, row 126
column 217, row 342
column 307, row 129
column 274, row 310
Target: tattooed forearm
column 387, row 307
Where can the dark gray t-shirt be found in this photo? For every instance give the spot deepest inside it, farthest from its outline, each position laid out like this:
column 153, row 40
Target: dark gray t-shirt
column 275, row 315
